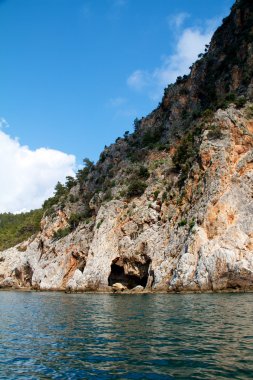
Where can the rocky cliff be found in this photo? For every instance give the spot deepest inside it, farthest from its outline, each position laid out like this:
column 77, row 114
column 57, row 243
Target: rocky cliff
column 168, row 207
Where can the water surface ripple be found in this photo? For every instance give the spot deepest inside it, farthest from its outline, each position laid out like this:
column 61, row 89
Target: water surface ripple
column 103, row 336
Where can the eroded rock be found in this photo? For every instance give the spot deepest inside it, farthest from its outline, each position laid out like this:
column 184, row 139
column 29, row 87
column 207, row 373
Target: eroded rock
column 118, row 287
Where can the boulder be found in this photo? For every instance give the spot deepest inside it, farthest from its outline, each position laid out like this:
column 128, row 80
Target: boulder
column 137, row 289
column 8, row 282
column 118, row 287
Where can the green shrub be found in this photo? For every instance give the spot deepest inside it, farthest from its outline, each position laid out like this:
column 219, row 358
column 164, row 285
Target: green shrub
column 156, row 193
column 123, row 193
column 191, row 224
column 108, row 195
column 181, row 80
column 185, row 151
column 137, row 155
column 226, row 101
column 231, row 97
column 61, row 233
column 164, row 196
column 183, row 91
column 88, row 164
column 215, row 132
column 208, row 113
column 70, row 182
column 82, row 175
column 162, row 146
column 196, row 114
column 143, row 172
column 72, row 198
column 136, row 188
column 137, row 124
column 60, row 193
column 182, row 223
column 102, row 157
column 126, row 134
column 99, row 223
column 74, row 220
column 240, row 102
column 249, row 111
column 185, row 114
column 152, row 137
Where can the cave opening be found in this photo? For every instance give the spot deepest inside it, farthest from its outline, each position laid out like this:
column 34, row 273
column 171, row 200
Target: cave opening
column 118, row 274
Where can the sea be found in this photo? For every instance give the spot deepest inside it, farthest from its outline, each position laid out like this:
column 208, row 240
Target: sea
column 50, row 335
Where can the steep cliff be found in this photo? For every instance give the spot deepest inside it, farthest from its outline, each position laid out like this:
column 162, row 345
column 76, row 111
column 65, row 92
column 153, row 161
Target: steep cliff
column 170, row 206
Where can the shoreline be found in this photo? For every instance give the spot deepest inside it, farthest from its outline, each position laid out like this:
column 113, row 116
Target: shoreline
column 127, row 292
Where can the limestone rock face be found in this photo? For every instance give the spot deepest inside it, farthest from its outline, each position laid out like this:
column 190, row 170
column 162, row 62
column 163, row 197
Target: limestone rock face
column 204, row 241
column 190, row 225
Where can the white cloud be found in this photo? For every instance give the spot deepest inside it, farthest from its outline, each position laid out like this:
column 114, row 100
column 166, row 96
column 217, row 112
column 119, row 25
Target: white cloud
column 177, row 20
column 189, row 43
column 29, row 177
column 3, row 123
column 138, row 80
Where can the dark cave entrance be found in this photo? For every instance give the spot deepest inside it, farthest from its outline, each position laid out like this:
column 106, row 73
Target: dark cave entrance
column 130, row 281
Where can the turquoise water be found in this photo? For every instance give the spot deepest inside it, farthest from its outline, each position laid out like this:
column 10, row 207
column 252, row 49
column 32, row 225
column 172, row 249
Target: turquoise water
column 93, row 336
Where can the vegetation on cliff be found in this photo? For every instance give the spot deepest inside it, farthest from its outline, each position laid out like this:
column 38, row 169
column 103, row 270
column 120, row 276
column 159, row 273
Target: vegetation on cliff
column 15, row 228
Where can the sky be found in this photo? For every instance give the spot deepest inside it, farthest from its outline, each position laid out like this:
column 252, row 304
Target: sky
column 76, row 73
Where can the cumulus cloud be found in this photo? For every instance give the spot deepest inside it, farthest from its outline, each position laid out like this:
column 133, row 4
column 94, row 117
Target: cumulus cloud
column 189, row 43
column 177, row 20
column 139, row 79
column 28, row 177
column 3, row 123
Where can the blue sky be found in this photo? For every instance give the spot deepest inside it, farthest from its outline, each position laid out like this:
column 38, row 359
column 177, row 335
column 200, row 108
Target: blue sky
column 75, row 73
